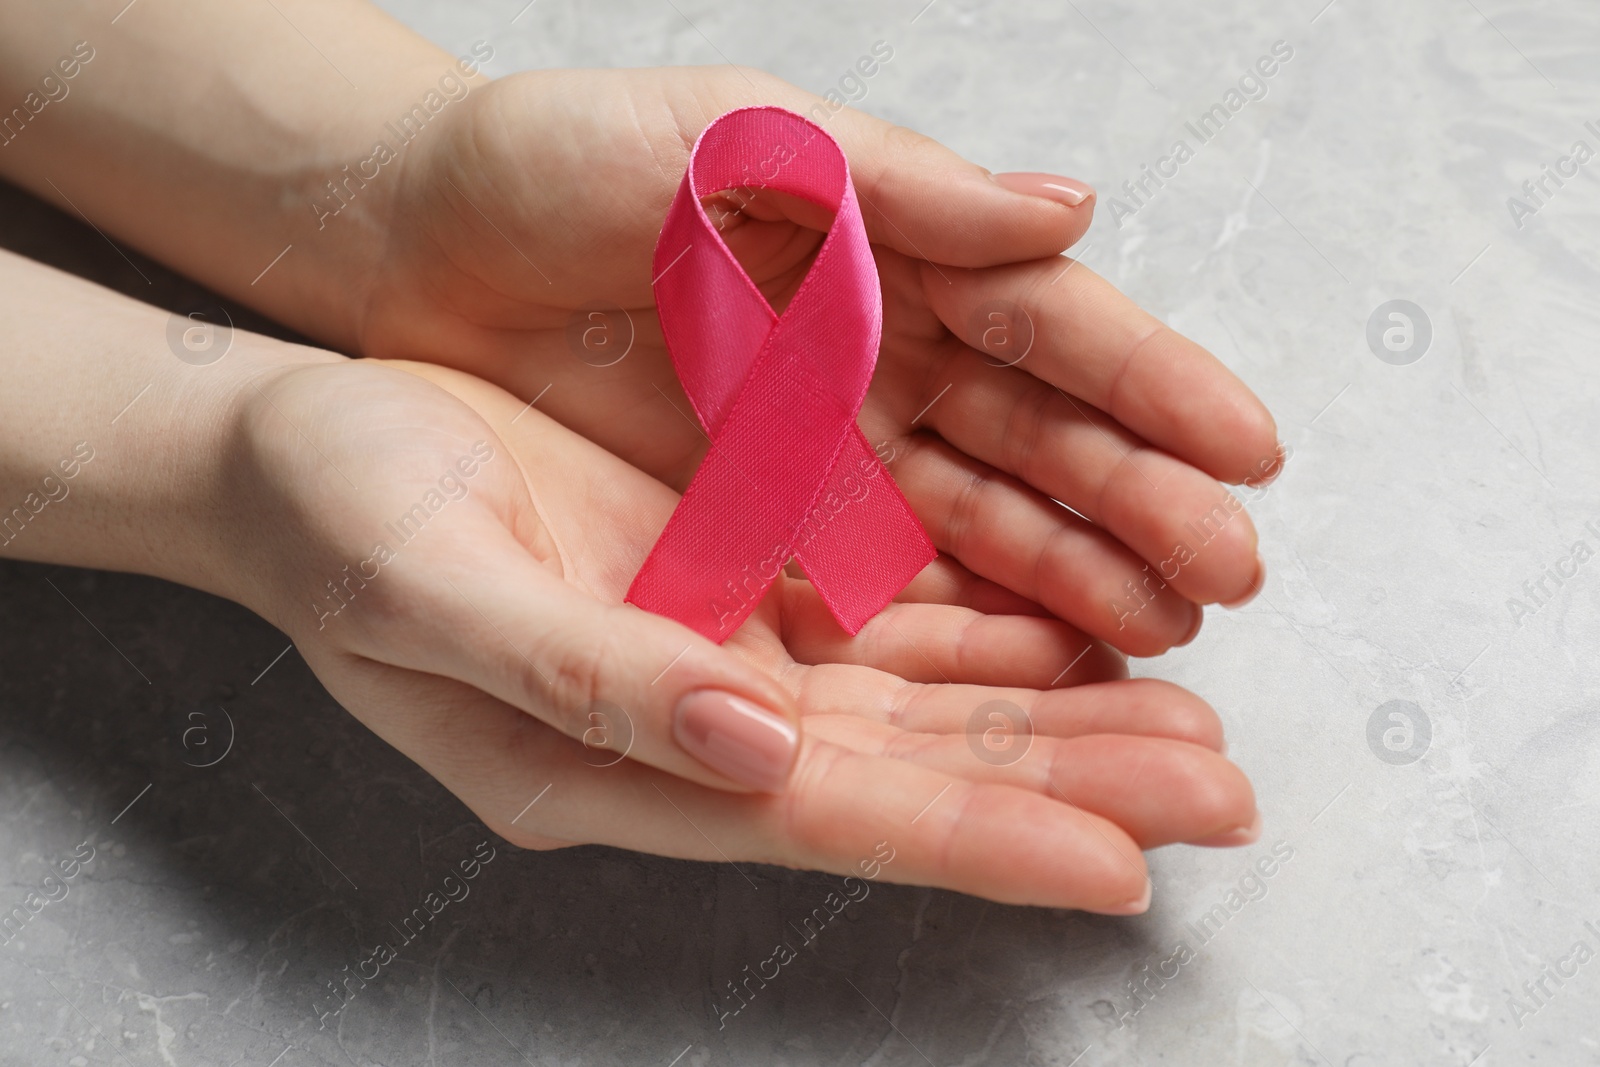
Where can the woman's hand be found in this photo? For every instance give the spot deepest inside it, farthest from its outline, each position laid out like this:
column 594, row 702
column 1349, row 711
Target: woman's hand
column 435, row 215
column 538, row 198
column 467, row 606
column 451, row 563
column 493, row 649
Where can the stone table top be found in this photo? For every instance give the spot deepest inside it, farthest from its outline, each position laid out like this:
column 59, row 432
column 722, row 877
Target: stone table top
column 1414, row 695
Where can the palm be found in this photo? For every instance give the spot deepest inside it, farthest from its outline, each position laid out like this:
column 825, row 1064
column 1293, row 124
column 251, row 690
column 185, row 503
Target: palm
column 1115, row 766
column 542, row 198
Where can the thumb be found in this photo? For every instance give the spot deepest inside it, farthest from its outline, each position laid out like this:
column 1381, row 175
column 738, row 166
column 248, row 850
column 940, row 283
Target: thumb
column 917, row 196
column 925, row 201
column 626, row 683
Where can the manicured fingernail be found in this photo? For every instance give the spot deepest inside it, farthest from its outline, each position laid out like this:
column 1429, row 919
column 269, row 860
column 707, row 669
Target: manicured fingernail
column 1271, row 470
column 1256, row 585
column 1242, row 835
column 1133, row 907
column 1068, row 191
column 736, row 738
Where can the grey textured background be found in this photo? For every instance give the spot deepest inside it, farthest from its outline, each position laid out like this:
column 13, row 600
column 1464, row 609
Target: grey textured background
column 1420, row 896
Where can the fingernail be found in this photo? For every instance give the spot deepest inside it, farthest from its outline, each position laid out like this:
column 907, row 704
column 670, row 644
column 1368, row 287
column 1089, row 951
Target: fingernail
column 736, row 738
column 1133, row 907
column 1256, row 585
column 1243, row 835
column 1068, row 191
column 1270, row 472
column 1194, row 631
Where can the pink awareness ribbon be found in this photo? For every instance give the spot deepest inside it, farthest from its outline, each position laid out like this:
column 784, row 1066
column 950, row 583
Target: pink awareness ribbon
column 789, row 473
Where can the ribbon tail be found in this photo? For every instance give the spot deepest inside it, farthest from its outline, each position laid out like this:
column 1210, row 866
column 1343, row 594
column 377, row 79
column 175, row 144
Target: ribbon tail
column 862, row 543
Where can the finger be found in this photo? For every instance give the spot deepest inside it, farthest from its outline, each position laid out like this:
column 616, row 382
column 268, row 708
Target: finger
column 945, row 643
column 1146, row 707
column 1192, row 531
column 924, row 200
column 610, row 675
column 990, row 840
column 947, row 581
column 1158, row 790
column 846, row 813
column 977, row 193
column 1011, row 534
column 917, row 195
column 1095, row 343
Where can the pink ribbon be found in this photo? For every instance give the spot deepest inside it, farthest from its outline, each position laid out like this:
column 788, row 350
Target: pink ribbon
column 789, row 473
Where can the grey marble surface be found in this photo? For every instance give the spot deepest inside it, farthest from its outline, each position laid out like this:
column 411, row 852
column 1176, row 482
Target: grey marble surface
column 1438, row 862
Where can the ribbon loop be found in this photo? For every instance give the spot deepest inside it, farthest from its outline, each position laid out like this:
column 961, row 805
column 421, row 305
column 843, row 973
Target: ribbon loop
column 789, row 473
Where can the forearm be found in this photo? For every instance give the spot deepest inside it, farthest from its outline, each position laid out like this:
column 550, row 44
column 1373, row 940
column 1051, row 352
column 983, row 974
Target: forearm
column 216, row 136
column 113, row 451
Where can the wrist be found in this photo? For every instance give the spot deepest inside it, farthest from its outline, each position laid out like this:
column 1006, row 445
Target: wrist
column 191, row 431
column 340, row 207
column 120, row 431
column 256, row 133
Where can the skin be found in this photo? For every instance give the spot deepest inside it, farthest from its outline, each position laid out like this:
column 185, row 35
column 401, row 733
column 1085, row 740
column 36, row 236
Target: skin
column 1129, row 424
column 259, row 475
column 528, row 197
column 480, row 651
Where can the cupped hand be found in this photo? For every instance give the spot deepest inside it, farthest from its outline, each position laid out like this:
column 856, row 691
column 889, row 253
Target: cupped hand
column 489, row 643
column 1011, row 378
